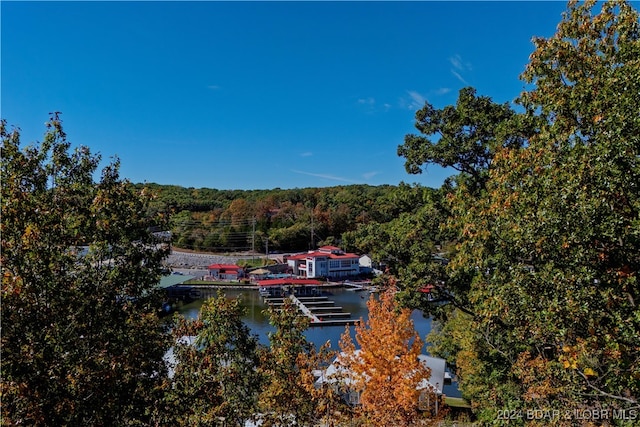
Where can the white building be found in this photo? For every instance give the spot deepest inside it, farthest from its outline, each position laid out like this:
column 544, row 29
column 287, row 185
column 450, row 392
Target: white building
column 339, row 376
column 327, row 261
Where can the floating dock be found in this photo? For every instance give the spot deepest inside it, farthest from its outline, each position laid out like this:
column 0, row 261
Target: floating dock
column 319, row 309
column 322, row 312
column 304, row 293
column 360, row 286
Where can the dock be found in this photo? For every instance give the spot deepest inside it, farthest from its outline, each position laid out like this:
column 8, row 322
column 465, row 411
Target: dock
column 319, row 309
column 308, row 298
column 360, row 286
column 304, row 309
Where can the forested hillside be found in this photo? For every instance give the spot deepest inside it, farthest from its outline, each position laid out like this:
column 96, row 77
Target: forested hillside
column 285, row 220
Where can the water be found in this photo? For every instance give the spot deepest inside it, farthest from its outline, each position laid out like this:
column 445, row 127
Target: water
column 352, row 302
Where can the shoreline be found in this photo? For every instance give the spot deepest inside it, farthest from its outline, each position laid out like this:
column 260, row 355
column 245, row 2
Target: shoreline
column 251, row 286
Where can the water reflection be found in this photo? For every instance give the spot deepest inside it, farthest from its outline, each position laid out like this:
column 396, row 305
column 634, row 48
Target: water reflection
column 352, row 302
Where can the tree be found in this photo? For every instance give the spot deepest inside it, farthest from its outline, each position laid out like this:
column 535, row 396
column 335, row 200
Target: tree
column 386, row 368
column 468, row 136
column 408, row 243
column 216, row 379
column 547, row 260
column 286, row 365
column 328, row 405
column 81, row 339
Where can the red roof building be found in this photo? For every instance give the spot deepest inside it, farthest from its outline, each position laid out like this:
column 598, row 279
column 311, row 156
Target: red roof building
column 225, row 271
column 327, row 261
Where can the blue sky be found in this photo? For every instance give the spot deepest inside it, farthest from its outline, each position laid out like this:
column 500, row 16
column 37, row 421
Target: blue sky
column 257, row 95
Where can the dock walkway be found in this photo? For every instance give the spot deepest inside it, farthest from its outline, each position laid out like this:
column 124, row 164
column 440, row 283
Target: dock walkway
column 304, row 309
column 320, row 310
column 317, row 310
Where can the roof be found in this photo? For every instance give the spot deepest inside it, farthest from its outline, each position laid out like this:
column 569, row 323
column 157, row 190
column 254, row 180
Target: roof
column 281, row 282
column 224, row 267
column 344, row 255
column 317, row 254
column 426, row 289
column 436, row 381
column 297, row 256
column 172, row 280
column 437, row 366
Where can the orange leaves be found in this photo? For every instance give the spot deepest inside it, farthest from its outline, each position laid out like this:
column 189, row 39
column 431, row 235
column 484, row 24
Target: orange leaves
column 532, row 371
column 31, row 235
column 468, row 230
column 569, row 358
column 386, row 368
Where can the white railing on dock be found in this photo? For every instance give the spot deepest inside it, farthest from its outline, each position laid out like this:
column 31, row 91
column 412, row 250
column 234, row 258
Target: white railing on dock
column 304, row 309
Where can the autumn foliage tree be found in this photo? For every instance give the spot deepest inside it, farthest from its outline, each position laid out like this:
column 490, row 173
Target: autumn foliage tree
column 385, row 367
column 547, row 258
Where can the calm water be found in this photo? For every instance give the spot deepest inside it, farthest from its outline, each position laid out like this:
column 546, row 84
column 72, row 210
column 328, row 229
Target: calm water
column 352, row 302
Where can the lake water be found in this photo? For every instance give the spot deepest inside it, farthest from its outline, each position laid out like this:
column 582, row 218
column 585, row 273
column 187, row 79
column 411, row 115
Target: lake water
column 352, row 302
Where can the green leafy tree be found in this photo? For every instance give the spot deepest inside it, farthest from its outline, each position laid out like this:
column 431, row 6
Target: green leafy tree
column 81, row 340
column 288, row 396
column 467, row 136
column 216, row 381
column 409, row 245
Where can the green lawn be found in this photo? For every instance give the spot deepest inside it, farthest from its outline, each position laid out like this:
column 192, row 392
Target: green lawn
column 456, row 402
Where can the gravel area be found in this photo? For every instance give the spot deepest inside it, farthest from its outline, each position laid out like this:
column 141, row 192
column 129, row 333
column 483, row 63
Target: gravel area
column 189, row 260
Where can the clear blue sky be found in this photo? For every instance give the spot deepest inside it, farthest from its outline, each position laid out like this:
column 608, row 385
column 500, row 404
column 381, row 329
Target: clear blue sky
column 244, row 95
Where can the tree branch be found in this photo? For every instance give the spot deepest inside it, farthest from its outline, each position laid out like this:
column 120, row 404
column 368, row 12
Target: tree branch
column 604, row 393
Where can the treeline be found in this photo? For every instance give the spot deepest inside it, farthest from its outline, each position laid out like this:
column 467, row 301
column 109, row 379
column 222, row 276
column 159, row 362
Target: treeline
column 280, row 219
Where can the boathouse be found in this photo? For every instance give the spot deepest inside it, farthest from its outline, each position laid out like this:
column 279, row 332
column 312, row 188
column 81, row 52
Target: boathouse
column 225, row 271
column 282, row 287
column 340, row 378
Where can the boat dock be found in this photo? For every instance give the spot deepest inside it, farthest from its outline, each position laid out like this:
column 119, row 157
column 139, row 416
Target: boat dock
column 306, row 295
column 304, row 309
column 319, row 309
column 360, row 286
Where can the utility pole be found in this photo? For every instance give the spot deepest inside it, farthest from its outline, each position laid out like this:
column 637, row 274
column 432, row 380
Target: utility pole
column 267, row 247
column 312, row 233
column 253, row 239
column 253, row 236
